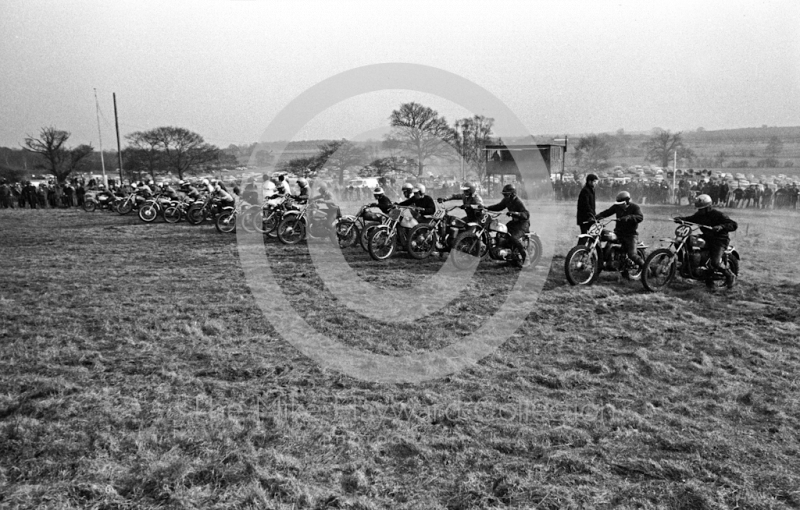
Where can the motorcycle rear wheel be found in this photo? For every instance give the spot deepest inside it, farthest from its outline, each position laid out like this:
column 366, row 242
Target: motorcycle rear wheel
column 733, row 265
column 291, row 230
column 382, row 244
column 582, row 265
column 533, row 250
column 226, row 222
column 421, row 241
column 659, row 269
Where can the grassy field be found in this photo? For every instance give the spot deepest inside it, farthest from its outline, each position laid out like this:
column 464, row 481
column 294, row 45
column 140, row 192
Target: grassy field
column 137, row 372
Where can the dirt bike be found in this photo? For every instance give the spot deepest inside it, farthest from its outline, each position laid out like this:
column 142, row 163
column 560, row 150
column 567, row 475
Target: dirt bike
column 176, row 210
column 267, row 219
column 202, row 210
column 687, row 256
column 489, row 237
column 599, row 250
column 308, row 221
column 129, row 203
column 384, row 238
column 154, row 207
column 90, row 204
column 226, row 220
column 439, row 234
column 358, row 227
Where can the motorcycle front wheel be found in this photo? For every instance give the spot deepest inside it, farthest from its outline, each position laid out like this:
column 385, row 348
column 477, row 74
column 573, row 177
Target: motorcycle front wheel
column 659, row 269
column 194, row 214
column 366, row 233
column 226, row 222
column 582, row 265
column 382, row 244
column 148, row 213
column 89, row 205
column 347, row 233
column 421, row 241
column 172, row 214
column 291, row 230
column 124, row 207
column 466, row 252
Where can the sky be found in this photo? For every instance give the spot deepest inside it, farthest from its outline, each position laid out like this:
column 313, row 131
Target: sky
column 225, row 69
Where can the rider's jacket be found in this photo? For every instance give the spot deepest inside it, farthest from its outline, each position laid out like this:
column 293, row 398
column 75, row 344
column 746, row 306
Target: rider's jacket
column 302, row 197
column 519, row 223
column 384, row 204
column 712, row 218
column 473, row 200
column 628, row 218
column 425, row 203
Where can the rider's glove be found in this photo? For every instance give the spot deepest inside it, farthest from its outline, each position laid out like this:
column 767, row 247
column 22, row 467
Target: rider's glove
column 440, row 200
column 513, row 214
column 676, row 220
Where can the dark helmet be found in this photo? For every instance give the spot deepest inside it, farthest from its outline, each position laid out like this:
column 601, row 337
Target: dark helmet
column 509, row 189
column 623, row 196
column 468, row 188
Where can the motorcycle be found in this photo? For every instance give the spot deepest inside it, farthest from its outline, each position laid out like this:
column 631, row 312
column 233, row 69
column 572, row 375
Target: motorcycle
column 96, row 200
column 439, row 234
column 489, row 237
column 176, row 210
column 154, row 207
column 267, row 219
column 384, row 238
column 358, row 227
column 688, row 257
column 308, row 221
column 598, row 250
column 129, row 203
column 202, row 210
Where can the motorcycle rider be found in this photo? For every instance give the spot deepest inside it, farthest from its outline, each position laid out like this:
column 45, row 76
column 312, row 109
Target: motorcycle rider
column 326, row 198
column 716, row 226
column 407, row 190
column 586, row 204
column 471, row 201
column 520, row 217
column 629, row 215
column 382, row 202
column 304, row 194
column 225, row 198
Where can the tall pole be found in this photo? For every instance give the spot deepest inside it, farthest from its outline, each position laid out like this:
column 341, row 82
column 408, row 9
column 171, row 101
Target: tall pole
column 100, row 138
column 674, row 173
column 119, row 149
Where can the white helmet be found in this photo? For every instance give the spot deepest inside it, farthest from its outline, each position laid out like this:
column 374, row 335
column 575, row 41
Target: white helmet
column 702, row 201
column 302, row 182
column 205, row 182
column 270, row 186
column 421, row 188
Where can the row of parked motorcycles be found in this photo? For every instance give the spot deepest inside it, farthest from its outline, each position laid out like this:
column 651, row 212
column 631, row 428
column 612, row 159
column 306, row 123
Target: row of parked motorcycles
column 380, row 234
column 686, row 255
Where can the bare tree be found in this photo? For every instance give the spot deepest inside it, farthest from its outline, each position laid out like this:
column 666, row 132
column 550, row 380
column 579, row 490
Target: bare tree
column 661, row 146
column 470, row 138
column 419, row 131
column 341, row 154
column 181, row 150
column 59, row 160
